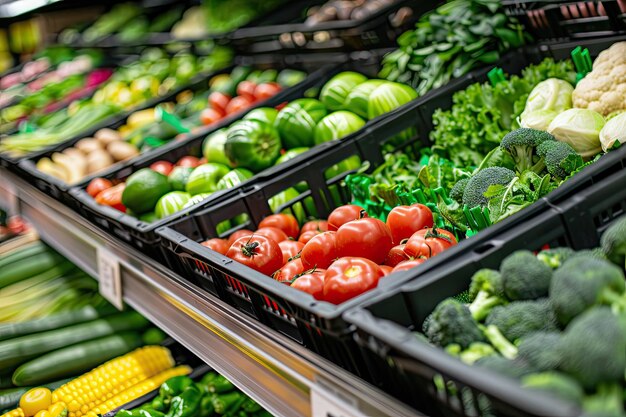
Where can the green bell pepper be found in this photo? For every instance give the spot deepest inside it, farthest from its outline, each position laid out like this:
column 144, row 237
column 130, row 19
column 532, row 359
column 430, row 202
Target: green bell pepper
column 210, row 376
column 125, row 413
column 173, row 387
column 149, row 412
column 206, row 405
column 228, row 403
column 220, row 385
column 186, row 404
column 253, row 145
column 250, row 406
column 158, row 403
column 263, row 115
column 297, row 120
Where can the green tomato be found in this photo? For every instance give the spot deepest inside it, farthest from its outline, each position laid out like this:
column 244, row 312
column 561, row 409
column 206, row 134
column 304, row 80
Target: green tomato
column 204, row 178
column 171, row 203
column 196, row 199
column 290, row 154
column 297, row 120
column 358, row 100
column 263, row 115
column 234, row 178
column 178, row 178
column 297, row 210
column 336, row 90
column 213, row 147
column 253, row 145
column 337, row 125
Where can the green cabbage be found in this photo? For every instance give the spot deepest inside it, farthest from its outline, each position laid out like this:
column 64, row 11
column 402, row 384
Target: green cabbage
column 613, row 132
column 552, row 94
column 580, row 128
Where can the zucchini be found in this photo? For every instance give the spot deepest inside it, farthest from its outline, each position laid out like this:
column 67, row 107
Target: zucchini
column 21, row 349
column 10, row 398
column 24, row 252
column 6, row 381
column 55, row 321
column 75, row 359
column 28, row 267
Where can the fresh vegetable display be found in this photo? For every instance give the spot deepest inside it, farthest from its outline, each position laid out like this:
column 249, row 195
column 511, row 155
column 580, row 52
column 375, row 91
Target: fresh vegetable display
column 210, row 395
column 263, row 138
column 554, row 321
column 150, row 128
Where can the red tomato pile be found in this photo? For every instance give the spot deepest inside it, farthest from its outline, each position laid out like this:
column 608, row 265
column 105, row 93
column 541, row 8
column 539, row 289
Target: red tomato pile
column 343, row 257
column 248, row 93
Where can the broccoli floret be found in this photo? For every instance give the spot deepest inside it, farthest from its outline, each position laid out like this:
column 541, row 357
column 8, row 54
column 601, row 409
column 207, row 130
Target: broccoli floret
column 560, row 158
column 521, row 144
column 511, row 368
column 593, row 347
column 451, row 322
column 541, row 350
column 583, row 282
column 595, row 253
column 475, row 351
column 474, row 193
column 463, row 297
column 520, row 318
column 606, row 402
column 555, row 384
column 554, row 258
column 485, row 292
column 613, row 242
column 524, row 277
column 456, row 193
column 500, row 342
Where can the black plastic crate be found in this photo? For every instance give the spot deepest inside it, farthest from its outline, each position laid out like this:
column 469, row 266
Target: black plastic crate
column 288, row 33
column 551, row 20
column 407, row 367
column 319, row 325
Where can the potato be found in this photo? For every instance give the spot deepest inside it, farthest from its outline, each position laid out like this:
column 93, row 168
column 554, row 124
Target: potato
column 107, row 136
column 98, row 160
column 120, row 150
column 88, row 145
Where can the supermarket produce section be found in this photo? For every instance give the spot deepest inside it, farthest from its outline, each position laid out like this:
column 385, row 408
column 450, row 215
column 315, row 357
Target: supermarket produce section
column 384, row 208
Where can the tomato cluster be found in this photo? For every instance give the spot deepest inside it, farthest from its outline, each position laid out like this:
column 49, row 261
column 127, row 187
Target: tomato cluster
column 337, row 259
column 248, row 93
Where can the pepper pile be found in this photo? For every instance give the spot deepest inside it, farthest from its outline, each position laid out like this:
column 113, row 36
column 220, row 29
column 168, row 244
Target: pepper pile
column 213, row 395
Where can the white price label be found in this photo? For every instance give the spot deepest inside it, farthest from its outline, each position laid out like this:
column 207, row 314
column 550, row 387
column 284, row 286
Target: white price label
column 110, row 281
column 326, row 404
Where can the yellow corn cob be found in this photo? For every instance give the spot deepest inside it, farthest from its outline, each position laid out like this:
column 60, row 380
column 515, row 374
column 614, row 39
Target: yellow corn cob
column 14, row 413
column 137, row 391
column 111, row 378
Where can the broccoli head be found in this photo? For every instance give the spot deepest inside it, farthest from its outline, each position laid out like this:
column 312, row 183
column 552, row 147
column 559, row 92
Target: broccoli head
column 583, row 282
column 485, row 292
column 554, row 258
column 456, row 193
column 560, row 158
column 593, row 347
column 451, row 322
column 541, row 350
column 555, row 384
column 613, row 242
column 500, row 342
column 524, row 277
column 607, row 401
column 475, row 351
column 521, row 144
column 520, row 318
column 478, row 184
column 507, row 367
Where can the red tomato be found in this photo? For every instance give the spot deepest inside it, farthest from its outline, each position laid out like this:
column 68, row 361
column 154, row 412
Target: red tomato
column 344, row 214
column 238, row 104
column 273, row 233
column 305, row 237
column 266, row 90
column 288, row 272
column 406, row 265
column 239, row 233
column 97, row 185
column 429, row 242
column 290, row 248
column 188, row 161
column 219, row 101
column 386, row 269
column 218, row 245
column 348, row 277
column 312, row 283
column 315, row 225
column 320, row 251
column 396, row 255
column 209, row 116
column 16, row 225
column 246, row 89
column 285, row 222
column 403, row 221
column 112, row 197
column 257, row 252
column 368, row 238
column 163, row 167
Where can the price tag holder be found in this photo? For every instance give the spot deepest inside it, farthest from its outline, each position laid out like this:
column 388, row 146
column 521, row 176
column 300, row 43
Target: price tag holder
column 109, row 278
column 325, row 404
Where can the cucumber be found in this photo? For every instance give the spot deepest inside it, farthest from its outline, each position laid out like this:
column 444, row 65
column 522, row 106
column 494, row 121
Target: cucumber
column 28, row 267
column 10, row 398
column 75, row 359
column 6, row 381
column 56, row 321
column 21, row 349
column 23, row 252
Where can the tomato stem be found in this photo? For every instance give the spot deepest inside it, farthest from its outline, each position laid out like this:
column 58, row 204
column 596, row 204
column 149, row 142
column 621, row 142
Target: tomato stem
column 249, row 249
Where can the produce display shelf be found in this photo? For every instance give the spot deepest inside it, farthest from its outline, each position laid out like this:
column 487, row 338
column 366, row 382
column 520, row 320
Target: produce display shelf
column 281, row 375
